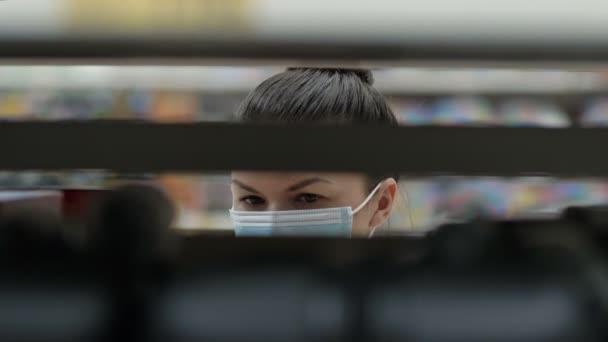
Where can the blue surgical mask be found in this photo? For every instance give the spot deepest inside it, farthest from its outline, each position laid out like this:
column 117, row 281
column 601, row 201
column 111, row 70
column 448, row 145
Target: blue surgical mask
column 329, row 222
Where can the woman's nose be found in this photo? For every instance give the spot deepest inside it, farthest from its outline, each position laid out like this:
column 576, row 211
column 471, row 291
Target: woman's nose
column 279, row 206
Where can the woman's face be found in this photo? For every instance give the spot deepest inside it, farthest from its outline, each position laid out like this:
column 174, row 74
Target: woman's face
column 276, row 191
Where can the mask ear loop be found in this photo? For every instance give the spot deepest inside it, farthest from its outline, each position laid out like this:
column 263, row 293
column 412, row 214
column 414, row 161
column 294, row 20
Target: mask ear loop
column 369, row 197
column 409, row 213
column 365, row 202
column 372, row 232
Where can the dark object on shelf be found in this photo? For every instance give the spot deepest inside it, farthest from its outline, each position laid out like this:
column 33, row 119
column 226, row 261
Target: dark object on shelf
column 79, row 203
column 48, row 289
column 130, row 242
column 596, row 216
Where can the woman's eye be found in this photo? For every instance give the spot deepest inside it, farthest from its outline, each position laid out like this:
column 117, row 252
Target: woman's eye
column 308, row 198
column 252, row 200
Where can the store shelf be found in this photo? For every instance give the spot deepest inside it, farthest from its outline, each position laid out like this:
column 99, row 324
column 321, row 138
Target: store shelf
column 315, row 30
column 244, row 79
column 92, row 77
column 443, row 81
column 146, row 147
column 418, row 96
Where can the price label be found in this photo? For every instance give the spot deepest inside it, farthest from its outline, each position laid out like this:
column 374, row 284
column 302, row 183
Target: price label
column 149, row 16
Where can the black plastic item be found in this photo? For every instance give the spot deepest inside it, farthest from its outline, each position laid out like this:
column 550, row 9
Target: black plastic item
column 594, row 217
column 479, row 307
column 265, row 303
column 33, row 236
column 48, row 291
column 491, row 281
column 462, row 244
column 132, row 223
column 130, row 245
column 62, row 305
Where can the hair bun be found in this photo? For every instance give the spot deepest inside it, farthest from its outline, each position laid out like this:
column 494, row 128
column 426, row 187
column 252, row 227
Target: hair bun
column 364, row 75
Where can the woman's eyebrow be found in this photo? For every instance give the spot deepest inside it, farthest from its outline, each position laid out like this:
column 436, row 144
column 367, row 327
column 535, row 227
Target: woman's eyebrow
column 308, row 182
column 244, row 186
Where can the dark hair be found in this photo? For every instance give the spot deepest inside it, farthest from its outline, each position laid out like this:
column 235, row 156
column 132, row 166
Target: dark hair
column 307, row 95
column 317, row 95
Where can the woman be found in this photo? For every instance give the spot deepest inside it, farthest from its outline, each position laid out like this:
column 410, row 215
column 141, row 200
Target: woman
column 313, row 203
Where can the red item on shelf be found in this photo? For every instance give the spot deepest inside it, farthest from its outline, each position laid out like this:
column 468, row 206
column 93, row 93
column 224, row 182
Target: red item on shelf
column 78, row 203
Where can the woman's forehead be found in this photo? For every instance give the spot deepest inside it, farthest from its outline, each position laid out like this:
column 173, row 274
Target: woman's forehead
column 286, row 178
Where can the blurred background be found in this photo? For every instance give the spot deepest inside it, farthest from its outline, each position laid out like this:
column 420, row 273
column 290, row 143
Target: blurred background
column 474, row 94
column 459, row 63
column 418, row 95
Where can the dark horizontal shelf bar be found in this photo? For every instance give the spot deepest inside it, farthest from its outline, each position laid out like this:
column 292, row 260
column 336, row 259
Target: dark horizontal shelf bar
column 139, row 50
column 213, row 147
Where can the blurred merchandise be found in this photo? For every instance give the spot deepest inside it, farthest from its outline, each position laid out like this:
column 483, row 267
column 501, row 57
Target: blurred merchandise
column 13, row 105
column 410, row 112
column 78, row 204
column 71, row 104
column 14, row 202
column 462, row 111
column 423, row 203
column 595, row 113
column 463, row 199
column 419, row 96
column 414, row 205
column 531, row 195
column 436, row 200
column 189, row 195
column 174, row 107
column 532, row 112
column 50, row 180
